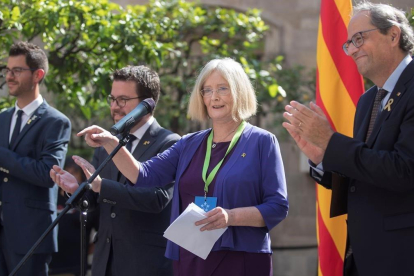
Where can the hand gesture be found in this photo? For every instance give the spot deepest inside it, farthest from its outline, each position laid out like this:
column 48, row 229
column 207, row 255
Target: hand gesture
column 63, row 179
column 310, row 129
column 95, row 136
column 314, row 153
column 88, row 170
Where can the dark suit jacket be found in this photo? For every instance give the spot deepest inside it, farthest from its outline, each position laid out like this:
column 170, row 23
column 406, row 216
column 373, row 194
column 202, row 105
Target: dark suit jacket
column 378, row 181
column 133, row 219
column 28, row 193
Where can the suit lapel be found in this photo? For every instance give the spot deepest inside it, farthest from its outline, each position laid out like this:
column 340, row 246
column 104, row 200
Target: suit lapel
column 4, row 139
column 36, row 116
column 147, row 140
column 392, row 103
column 362, row 128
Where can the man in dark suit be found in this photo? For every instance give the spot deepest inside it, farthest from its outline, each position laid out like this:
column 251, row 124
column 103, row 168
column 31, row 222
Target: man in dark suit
column 34, row 137
column 132, row 221
column 372, row 174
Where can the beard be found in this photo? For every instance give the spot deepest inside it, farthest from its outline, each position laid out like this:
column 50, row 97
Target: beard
column 20, row 88
column 117, row 116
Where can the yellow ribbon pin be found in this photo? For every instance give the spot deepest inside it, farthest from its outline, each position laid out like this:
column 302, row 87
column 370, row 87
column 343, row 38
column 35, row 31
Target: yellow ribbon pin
column 146, row 143
column 31, row 119
column 388, row 105
column 243, row 155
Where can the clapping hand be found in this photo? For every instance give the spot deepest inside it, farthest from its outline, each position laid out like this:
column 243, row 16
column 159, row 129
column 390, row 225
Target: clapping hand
column 310, row 129
column 64, row 179
column 88, row 170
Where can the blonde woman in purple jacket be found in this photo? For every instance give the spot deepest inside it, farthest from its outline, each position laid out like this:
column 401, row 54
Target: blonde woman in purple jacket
column 237, row 167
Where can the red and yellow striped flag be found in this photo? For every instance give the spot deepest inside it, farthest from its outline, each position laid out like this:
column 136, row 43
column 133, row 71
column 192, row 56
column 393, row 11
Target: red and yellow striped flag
column 338, row 88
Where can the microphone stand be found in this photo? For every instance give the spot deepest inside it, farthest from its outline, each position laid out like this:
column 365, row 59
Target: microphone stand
column 83, row 217
column 73, row 202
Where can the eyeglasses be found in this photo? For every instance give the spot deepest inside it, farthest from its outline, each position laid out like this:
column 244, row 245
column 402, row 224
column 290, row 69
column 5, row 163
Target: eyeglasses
column 208, row 92
column 16, row 71
column 120, row 101
column 357, row 39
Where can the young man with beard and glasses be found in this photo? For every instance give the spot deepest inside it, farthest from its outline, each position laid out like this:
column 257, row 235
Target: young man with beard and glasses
column 132, row 221
column 373, row 172
column 34, row 137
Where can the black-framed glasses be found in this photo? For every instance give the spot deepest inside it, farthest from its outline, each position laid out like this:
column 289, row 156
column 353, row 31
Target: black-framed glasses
column 208, row 92
column 357, row 39
column 16, row 71
column 120, row 101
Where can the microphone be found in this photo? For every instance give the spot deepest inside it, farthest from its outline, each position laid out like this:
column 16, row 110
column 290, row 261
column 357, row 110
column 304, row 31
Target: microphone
column 133, row 117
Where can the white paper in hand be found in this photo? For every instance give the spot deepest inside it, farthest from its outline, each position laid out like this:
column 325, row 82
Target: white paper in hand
column 186, row 234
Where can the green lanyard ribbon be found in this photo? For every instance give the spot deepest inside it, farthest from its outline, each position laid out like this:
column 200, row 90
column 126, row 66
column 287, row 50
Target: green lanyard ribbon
column 207, row 180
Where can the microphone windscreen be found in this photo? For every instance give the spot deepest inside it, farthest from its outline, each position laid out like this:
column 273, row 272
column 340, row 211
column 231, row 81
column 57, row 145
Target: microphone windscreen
column 151, row 104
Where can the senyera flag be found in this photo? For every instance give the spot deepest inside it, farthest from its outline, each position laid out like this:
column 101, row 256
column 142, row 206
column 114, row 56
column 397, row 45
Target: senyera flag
column 338, row 88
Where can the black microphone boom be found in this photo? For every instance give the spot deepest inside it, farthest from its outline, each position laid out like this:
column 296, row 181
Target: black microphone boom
column 132, row 118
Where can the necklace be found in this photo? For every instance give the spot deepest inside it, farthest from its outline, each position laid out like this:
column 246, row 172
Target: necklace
column 215, row 143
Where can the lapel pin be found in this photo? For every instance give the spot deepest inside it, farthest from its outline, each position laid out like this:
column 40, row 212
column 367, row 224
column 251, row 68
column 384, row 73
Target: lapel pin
column 388, row 106
column 398, row 94
column 146, row 143
column 243, row 155
column 31, row 119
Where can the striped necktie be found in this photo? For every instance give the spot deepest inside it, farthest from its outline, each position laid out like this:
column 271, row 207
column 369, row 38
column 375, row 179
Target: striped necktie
column 375, row 110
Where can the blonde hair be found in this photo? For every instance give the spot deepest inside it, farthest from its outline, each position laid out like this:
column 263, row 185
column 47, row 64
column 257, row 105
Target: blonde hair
column 241, row 89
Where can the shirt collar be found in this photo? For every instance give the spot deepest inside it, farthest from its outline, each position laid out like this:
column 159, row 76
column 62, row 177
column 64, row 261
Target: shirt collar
column 141, row 131
column 31, row 107
column 392, row 80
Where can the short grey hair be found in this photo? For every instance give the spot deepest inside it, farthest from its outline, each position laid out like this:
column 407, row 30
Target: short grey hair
column 242, row 92
column 384, row 17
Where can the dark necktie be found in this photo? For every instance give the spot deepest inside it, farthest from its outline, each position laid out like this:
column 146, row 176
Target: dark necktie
column 17, row 127
column 132, row 138
column 128, row 146
column 375, row 110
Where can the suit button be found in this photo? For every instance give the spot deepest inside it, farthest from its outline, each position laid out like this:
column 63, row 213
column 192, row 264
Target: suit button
column 5, row 179
column 104, row 200
column 352, row 189
column 113, row 215
column 108, row 240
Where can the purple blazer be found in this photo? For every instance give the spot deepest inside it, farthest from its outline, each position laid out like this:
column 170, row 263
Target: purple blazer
column 253, row 176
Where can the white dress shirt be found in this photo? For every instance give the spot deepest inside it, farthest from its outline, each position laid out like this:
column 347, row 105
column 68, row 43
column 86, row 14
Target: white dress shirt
column 140, row 132
column 28, row 111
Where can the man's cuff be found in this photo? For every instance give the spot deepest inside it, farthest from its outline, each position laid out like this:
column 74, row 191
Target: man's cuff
column 316, row 170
